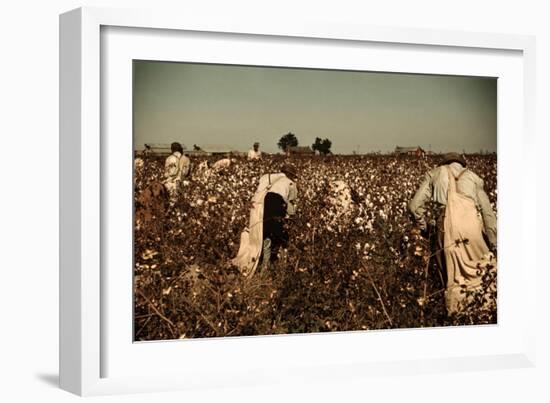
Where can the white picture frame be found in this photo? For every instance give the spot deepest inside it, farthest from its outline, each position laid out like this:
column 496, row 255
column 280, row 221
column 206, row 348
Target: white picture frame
column 87, row 307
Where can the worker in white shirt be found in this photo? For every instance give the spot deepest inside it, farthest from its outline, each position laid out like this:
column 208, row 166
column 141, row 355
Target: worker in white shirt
column 223, row 164
column 465, row 219
column 254, row 153
column 176, row 168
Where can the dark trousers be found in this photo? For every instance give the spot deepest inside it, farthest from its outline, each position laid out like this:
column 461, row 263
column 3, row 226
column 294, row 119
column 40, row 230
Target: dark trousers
column 274, row 222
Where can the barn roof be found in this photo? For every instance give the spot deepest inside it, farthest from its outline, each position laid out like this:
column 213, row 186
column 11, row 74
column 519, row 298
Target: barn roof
column 399, row 149
column 300, row 150
column 162, row 146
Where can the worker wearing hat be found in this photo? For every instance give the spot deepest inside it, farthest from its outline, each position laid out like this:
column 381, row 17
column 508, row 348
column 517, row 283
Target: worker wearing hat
column 464, row 224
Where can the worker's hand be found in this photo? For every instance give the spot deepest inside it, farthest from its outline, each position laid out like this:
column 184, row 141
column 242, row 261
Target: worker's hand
column 415, row 231
column 493, row 249
column 491, row 239
column 493, row 242
column 419, row 230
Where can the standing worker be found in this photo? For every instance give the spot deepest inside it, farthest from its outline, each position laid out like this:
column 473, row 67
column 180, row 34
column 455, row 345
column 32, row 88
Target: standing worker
column 254, row 153
column 273, row 202
column 146, row 150
column 465, row 216
column 176, row 168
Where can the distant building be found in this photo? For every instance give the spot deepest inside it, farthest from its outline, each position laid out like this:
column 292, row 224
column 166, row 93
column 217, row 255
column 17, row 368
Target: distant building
column 240, row 154
column 217, row 150
column 299, row 151
column 163, row 150
column 196, row 153
column 416, row 151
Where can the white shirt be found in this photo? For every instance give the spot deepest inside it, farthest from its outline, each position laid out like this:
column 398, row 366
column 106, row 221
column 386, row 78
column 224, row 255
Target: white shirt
column 280, row 184
column 221, row 164
column 254, row 155
column 176, row 167
column 435, row 186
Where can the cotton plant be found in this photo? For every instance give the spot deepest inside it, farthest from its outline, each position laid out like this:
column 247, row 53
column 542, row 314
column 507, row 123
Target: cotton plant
column 324, row 281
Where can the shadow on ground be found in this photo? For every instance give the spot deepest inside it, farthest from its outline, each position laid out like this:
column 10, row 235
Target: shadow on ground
column 49, row 379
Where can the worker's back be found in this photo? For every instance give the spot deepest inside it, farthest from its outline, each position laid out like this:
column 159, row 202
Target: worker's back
column 278, row 183
column 467, row 182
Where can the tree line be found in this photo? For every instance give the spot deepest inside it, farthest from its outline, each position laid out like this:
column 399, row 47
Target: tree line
column 290, row 140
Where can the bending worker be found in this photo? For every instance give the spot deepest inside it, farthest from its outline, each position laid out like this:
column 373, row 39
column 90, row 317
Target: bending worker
column 465, row 217
column 272, row 203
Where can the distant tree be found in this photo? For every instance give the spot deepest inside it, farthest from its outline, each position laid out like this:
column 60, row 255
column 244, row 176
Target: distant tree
column 323, row 146
column 288, row 140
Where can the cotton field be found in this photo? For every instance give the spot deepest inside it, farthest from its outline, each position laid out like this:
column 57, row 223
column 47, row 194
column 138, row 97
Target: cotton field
column 355, row 260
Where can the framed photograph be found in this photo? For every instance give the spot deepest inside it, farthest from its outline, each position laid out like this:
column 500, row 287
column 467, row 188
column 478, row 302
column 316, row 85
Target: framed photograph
column 241, row 201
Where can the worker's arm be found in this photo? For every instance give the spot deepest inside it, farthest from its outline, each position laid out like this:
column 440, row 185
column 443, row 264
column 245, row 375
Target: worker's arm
column 488, row 215
column 417, row 206
column 185, row 166
column 291, row 202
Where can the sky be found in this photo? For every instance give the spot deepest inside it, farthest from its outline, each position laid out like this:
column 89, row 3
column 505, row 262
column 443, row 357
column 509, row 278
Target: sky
column 234, row 106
